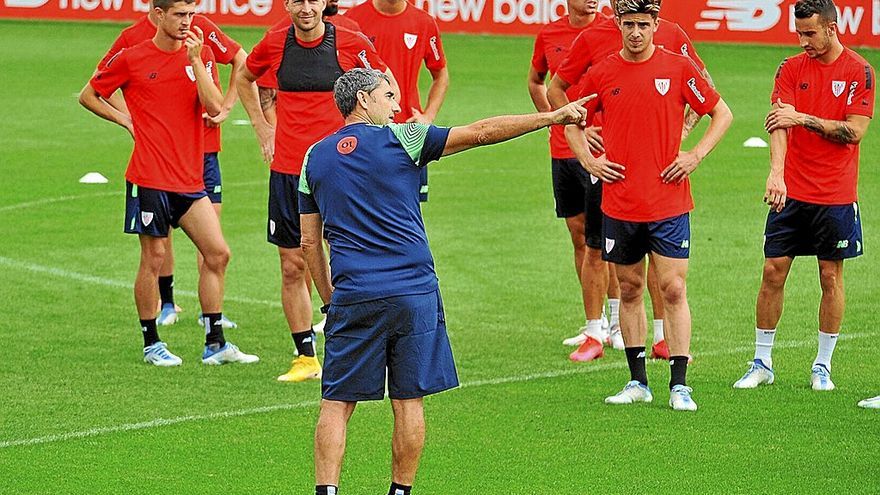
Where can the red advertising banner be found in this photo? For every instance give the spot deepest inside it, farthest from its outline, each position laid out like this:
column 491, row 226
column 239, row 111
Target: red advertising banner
column 742, row 21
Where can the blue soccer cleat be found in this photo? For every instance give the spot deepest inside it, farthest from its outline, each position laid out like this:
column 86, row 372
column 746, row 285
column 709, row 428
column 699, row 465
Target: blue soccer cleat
column 159, row 355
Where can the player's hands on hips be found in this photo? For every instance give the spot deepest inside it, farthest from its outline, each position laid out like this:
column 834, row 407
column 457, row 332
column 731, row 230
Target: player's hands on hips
column 194, row 42
column 216, row 120
column 418, row 117
column 683, row 166
column 128, row 124
column 783, row 116
column 604, row 169
column 776, row 192
column 594, row 139
column 572, row 114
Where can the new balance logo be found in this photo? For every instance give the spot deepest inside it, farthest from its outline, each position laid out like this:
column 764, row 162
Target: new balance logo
column 641, row 355
column 842, row 244
column 740, row 15
column 686, row 244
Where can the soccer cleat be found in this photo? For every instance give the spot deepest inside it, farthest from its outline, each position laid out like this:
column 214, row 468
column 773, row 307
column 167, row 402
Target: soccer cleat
column 229, row 353
column 820, row 378
column 225, row 322
column 757, row 374
column 660, row 350
column 168, row 315
column 632, row 392
column 302, row 368
column 577, row 340
column 319, row 327
column 591, row 349
column 615, row 338
column 159, row 355
column 872, row 403
column 680, row 398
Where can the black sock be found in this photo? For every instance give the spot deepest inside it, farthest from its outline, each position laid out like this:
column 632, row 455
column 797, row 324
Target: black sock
column 151, row 335
column 399, row 489
column 214, row 329
column 166, row 289
column 635, row 358
column 679, row 365
column 325, row 490
column 304, row 342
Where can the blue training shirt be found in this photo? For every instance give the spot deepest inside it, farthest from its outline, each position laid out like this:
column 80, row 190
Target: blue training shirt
column 364, row 181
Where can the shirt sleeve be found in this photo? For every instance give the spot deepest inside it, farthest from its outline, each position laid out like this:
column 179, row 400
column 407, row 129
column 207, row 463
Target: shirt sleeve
column 539, row 58
column 118, row 45
column 434, row 57
column 307, row 203
column 223, row 46
column 860, row 100
column 784, row 85
column 423, row 143
column 367, row 55
column 259, row 60
column 576, row 62
column 113, row 76
column 686, row 47
column 696, row 90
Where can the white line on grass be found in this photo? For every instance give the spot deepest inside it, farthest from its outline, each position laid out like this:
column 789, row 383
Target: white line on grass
column 156, row 423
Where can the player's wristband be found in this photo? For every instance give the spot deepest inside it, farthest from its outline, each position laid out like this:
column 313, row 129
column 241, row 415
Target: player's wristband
column 325, row 308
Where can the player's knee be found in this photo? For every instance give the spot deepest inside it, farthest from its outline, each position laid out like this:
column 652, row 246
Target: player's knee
column 830, row 278
column 293, row 268
column 774, row 275
column 674, row 291
column 219, row 260
column 631, row 290
column 594, row 259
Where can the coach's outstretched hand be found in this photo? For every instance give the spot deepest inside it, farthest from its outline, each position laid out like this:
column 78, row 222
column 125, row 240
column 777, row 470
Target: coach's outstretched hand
column 194, row 42
column 574, row 113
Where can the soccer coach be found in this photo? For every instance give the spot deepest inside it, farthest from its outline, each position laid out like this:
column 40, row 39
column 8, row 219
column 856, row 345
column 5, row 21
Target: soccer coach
column 385, row 310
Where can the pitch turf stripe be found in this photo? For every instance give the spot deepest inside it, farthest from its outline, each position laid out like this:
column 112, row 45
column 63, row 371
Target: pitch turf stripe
column 91, row 279
column 157, row 423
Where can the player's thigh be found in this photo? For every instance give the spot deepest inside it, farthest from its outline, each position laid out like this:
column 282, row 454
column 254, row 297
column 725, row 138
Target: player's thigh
column 671, row 237
column 569, row 187
column 787, row 233
column 283, row 227
column 201, row 225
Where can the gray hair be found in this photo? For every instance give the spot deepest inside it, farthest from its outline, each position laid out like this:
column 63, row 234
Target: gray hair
column 624, row 7
column 347, row 86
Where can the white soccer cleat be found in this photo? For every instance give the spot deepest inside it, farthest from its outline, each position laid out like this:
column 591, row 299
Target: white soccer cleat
column 319, row 327
column 615, row 338
column 631, row 393
column 680, row 398
column 229, row 353
column 159, row 355
column 872, row 403
column 758, row 374
column 167, row 316
column 576, row 340
column 820, row 378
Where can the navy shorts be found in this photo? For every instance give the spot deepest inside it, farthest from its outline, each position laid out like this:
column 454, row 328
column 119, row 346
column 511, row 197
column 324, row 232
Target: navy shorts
column 153, row 212
column 806, row 229
column 405, row 335
column 283, row 229
column 577, row 192
column 423, row 185
column 213, row 182
column 627, row 243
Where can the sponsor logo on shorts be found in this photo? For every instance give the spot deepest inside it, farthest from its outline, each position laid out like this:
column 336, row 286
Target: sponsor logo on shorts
column 692, row 83
column 609, row 245
column 662, row 86
column 146, row 218
column 842, row 244
column 409, row 40
column 837, row 87
column 347, row 145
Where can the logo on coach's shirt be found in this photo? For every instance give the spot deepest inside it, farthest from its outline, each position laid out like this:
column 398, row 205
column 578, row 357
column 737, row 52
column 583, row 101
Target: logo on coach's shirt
column 662, row 86
column 410, row 40
column 346, row 145
column 190, row 73
column 692, row 83
column 837, row 88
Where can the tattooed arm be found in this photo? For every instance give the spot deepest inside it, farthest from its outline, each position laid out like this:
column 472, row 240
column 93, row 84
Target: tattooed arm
column 849, row 131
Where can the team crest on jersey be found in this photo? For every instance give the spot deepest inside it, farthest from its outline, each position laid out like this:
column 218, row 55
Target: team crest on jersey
column 662, row 86
column 146, row 218
column 410, row 40
column 838, row 87
column 190, row 73
column 609, row 245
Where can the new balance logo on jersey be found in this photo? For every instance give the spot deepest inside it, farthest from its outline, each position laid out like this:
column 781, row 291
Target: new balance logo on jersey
column 213, row 37
column 609, row 245
column 146, row 218
column 662, row 86
column 410, row 40
column 190, row 73
column 692, row 83
column 837, row 87
column 740, row 15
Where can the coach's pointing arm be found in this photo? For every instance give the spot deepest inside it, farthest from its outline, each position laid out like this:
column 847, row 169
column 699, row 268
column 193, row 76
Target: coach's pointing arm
column 497, row 129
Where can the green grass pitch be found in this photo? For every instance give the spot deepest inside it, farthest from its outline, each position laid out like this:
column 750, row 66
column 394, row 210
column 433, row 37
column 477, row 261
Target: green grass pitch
column 80, row 412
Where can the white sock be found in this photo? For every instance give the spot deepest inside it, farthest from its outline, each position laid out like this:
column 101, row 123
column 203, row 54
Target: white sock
column 658, row 331
column 594, row 330
column 827, row 341
column 614, row 304
column 764, row 345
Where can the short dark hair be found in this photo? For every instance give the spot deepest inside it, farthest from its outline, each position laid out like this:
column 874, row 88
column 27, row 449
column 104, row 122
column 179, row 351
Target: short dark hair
column 348, row 85
column 167, row 4
column 624, row 7
column 804, row 9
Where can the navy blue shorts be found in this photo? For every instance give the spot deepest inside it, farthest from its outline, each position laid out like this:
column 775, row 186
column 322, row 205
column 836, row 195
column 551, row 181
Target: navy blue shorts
column 423, row 185
column 283, row 229
column 153, row 212
column 405, row 335
column 806, row 229
column 627, row 243
column 577, row 192
column 213, row 181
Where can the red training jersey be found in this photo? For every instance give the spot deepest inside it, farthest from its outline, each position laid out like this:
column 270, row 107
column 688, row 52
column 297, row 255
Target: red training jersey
column 267, row 80
column 818, row 170
column 643, row 106
column 223, row 46
column 161, row 93
column 403, row 41
column 307, row 112
column 551, row 47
